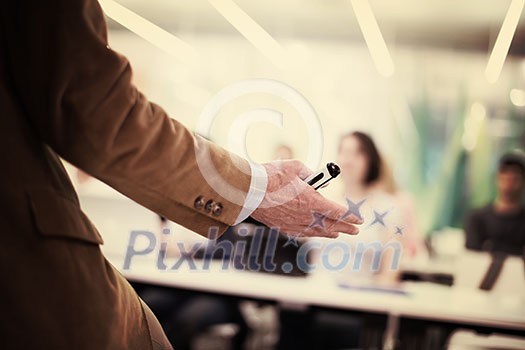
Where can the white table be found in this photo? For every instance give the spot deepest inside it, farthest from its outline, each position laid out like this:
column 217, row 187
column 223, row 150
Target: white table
column 461, row 307
column 454, row 306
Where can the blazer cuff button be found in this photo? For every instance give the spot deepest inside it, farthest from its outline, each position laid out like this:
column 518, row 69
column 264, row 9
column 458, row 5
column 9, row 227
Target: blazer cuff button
column 199, row 202
column 217, row 209
column 209, row 205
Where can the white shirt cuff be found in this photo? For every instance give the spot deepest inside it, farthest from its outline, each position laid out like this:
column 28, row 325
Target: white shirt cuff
column 258, row 183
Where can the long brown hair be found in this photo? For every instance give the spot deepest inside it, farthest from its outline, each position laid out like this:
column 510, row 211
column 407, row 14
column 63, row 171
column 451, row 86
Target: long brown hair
column 368, row 147
column 378, row 171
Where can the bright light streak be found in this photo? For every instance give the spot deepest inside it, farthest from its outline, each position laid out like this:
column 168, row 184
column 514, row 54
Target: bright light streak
column 373, row 37
column 152, row 33
column 517, row 97
column 472, row 126
column 502, row 44
column 252, row 31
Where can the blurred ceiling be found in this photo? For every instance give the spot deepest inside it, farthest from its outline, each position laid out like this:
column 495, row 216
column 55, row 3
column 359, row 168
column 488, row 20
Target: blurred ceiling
column 454, row 24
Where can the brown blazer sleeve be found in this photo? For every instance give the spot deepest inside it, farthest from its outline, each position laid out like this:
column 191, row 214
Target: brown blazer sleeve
column 78, row 97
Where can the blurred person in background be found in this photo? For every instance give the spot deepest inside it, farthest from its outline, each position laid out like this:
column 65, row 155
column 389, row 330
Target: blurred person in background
column 388, row 213
column 499, row 227
column 282, row 152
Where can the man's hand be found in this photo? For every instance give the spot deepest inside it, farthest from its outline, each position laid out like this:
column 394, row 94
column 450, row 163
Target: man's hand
column 295, row 208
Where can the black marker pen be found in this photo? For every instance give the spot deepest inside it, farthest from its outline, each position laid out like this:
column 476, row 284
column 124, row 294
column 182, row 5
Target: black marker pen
column 321, row 178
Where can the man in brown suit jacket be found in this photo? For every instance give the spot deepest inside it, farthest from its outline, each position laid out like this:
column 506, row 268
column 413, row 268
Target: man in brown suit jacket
column 64, row 92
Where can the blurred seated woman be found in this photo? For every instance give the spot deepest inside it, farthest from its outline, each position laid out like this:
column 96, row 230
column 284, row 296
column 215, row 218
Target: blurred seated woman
column 389, row 219
column 388, row 214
